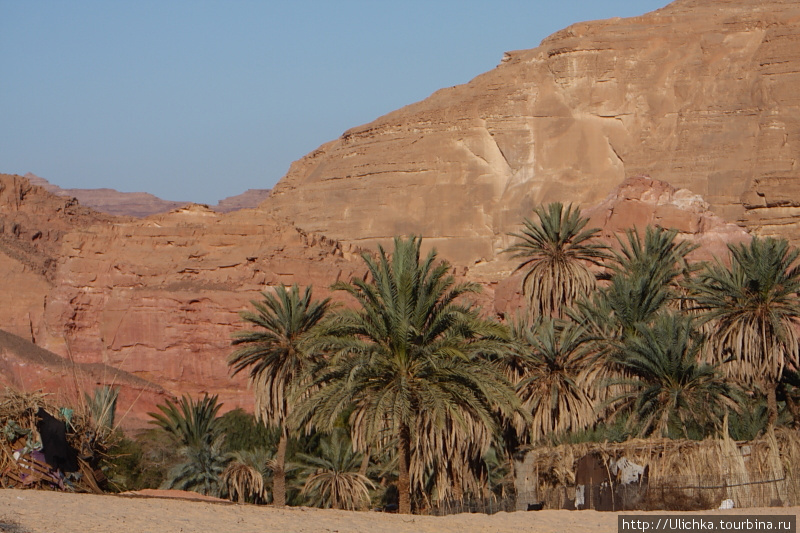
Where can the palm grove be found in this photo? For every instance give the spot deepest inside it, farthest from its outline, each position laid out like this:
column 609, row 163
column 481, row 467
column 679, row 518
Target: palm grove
column 410, row 393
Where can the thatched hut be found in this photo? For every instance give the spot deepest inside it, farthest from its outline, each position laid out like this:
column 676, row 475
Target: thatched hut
column 679, row 474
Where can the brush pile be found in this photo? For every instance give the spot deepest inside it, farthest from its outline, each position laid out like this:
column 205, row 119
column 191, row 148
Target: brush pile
column 45, row 446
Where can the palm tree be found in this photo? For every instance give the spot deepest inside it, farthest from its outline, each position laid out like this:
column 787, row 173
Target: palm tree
column 278, row 360
column 409, row 353
column 556, row 253
column 192, row 424
column 643, row 281
column 752, row 310
column 195, row 426
column 102, row 407
column 244, row 479
column 333, row 479
column 556, row 387
column 670, row 393
column 201, row 470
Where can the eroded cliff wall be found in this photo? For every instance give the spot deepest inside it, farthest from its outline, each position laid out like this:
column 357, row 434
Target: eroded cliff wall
column 701, row 94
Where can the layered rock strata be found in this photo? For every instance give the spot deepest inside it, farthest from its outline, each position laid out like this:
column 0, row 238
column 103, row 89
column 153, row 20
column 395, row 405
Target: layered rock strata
column 700, row 94
column 157, row 297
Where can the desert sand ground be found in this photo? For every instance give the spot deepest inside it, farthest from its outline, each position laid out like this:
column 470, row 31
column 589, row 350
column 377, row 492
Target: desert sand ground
column 50, row 512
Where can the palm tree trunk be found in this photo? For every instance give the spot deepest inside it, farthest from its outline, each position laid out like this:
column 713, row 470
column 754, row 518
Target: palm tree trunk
column 279, row 476
column 772, row 405
column 364, row 462
column 404, row 480
column 772, row 401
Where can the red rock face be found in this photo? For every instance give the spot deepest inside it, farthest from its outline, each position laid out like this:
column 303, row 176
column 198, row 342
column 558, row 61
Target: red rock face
column 27, row 367
column 32, row 226
column 159, row 298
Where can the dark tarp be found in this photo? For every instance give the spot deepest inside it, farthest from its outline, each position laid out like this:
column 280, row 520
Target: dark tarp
column 57, row 451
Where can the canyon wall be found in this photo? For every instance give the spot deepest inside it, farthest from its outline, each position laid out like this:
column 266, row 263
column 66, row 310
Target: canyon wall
column 700, row 94
column 158, row 298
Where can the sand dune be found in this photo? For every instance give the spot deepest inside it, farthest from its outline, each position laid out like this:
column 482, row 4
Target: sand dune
column 47, row 512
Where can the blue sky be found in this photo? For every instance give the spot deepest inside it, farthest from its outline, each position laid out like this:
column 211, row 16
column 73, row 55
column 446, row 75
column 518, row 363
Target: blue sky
column 198, row 100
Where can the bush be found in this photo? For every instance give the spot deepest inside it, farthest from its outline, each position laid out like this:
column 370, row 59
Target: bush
column 141, row 462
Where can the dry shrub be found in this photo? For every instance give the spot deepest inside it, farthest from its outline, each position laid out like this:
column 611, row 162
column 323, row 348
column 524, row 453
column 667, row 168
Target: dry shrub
column 676, row 499
column 18, row 425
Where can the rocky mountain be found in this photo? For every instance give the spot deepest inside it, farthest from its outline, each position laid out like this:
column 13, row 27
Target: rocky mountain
column 142, row 204
column 701, row 94
column 248, row 199
column 157, row 297
column 111, row 201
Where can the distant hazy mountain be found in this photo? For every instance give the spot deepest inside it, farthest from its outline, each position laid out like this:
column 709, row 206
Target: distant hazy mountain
column 142, row 204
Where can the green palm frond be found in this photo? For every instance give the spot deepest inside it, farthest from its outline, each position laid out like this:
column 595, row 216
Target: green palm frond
column 669, row 391
column 193, row 424
column 102, row 405
column 556, row 252
column 202, row 469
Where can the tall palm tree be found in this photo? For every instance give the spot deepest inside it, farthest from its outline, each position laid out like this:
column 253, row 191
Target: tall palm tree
column 556, row 253
column 333, row 479
column 278, row 359
column 670, row 393
column 752, row 309
column 556, row 387
column 409, row 352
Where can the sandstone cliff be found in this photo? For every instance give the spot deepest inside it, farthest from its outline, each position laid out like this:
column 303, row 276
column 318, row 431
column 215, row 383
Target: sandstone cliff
column 701, row 94
column 159, row 298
